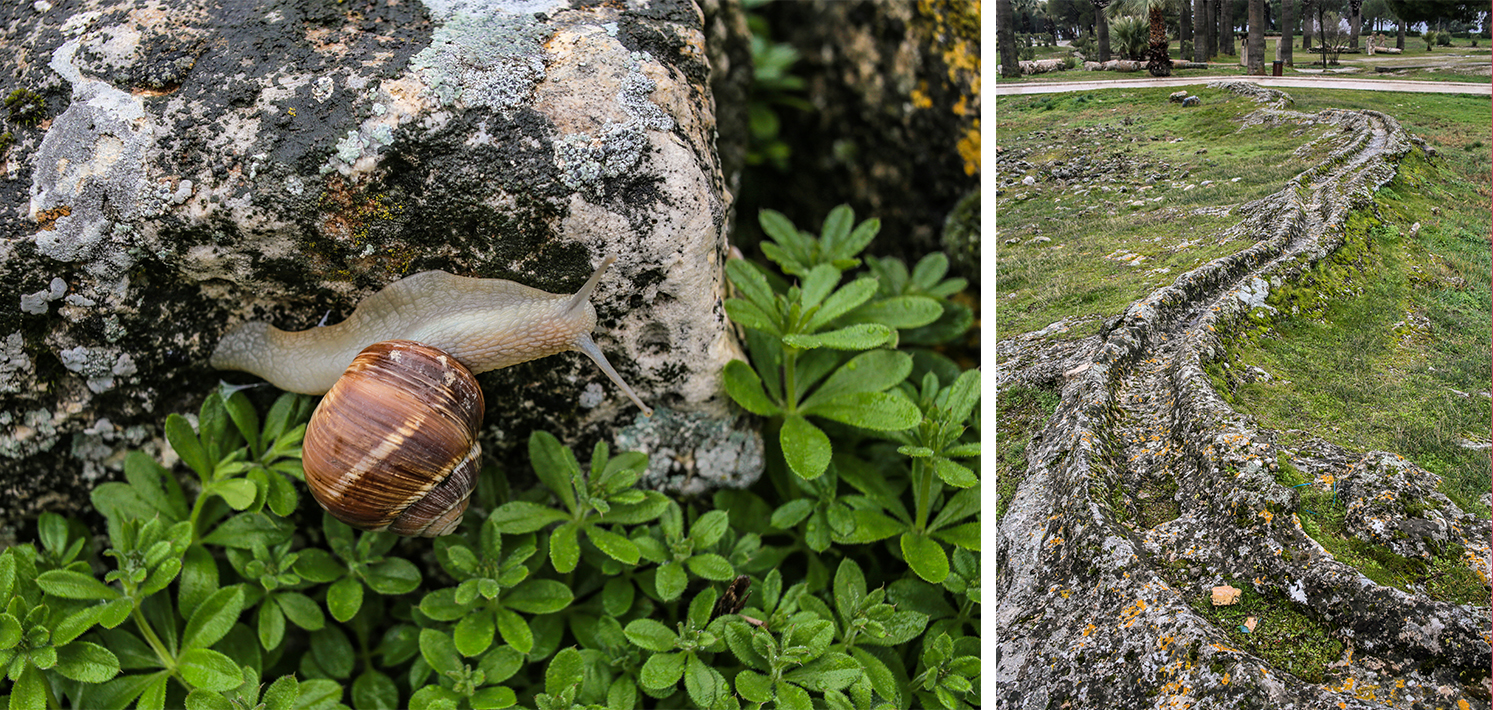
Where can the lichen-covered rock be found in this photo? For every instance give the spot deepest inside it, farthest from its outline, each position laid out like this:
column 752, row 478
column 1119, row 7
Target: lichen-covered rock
column 1390, row 501
column 895, row 125
column 1146, row 490
column 181, row 166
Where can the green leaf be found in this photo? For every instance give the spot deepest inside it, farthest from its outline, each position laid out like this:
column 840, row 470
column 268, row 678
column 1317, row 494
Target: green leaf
column 68, row 584
column 439, row 651
column 705, row 685
column 565, row 670
column 333, row 651
column 858, row 239
column 836, row 230
column 555, row 465
column 925, row 557
column 184, row 442
column 10, row 629
column 282, row 694
column 282, row 497
column 709, row 528
column 474, row 633
column 617, row 596
column 206, row 668
column 832, row 671
column 882, row 681
column 393, row 576
column 514, row 630
column 701, row 607
column 30, row 690
column 524, row 517
column 746, row 313
column 670, row 581
column 752, row 284
column 155, row 485
column 855, row 337
column 662, row 670
column 246, row 530
column 199, row 578
column 319, row 694
column 817, row 285
column 746, row 389
column 565, row 550
column 271, row 625
column 711, row 566
column 375, row 691
column 539, row 596
column 962, row 396
column 211, row 620
column 434, row 697
column 344, row 598
column 901, row 312
column 441, row 605
column 493, row 698
column 870, row 526
column 840, row 302
column 86, row 662
column 754, row 686
column 301, row 610
column 963, row 451
column 792, row 513
column 651, row 635
column 878, row 411
column 201, row 699
column 872, row 371
column 850, row 590
column 614, row 545
column 806, row 448
column 792, row 697
column 966, row 536
column 245, row 419
column 954, row 474
column 622, row 694
column 959, row 506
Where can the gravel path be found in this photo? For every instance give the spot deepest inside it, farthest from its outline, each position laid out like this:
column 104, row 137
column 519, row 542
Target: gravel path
column 1313, row 82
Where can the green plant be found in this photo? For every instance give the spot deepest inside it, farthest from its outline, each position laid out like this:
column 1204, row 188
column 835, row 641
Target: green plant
column 1129, row 35
column 774, row 87
column 25, row 107
column 237, row 592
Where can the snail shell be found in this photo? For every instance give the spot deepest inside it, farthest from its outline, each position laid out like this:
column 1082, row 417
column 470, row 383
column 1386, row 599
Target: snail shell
column 393, row 444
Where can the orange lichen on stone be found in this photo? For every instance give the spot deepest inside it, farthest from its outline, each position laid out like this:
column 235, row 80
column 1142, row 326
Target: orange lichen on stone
column 47, row 221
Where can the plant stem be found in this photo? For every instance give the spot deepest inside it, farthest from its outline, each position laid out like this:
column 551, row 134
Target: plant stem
column 790, row 388
column 155, row 641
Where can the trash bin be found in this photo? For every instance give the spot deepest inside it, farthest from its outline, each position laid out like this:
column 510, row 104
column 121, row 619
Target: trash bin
column 1277, row 68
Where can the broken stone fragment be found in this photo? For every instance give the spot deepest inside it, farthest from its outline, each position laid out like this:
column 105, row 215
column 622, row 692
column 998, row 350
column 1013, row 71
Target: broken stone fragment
column 1226, row 595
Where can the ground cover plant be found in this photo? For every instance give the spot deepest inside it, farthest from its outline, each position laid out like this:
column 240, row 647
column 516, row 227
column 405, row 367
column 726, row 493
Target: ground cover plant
column 848, row 577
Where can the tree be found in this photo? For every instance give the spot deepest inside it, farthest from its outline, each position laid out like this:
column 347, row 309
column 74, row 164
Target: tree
column 1225, row 27
column 1287, row 25
column 1005, row 38
column 1160, row 63
column 1201, row 37
column 1255, row 44
column 1101, row 28
column 1355, row 21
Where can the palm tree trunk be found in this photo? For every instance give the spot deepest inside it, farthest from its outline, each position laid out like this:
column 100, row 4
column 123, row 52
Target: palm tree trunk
column 1199, row 30
column 1005, row 38
column 1159, row 63
column 1101, row 28
column 1255, row 43
column 1226, row 27
column 1184, row 24
column 1400, row 36
column 1287, row 18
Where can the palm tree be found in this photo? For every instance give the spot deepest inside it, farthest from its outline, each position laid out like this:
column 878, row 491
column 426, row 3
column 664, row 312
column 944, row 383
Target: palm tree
column 1355, row 19
column 1200, row 33
column 1159, row 63
column 1287, row 26
column 1255, row 46
column 1005, row 38
column 1101, row 28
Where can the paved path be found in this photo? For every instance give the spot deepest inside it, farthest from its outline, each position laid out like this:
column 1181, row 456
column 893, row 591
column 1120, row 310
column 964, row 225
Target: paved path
column 1293, row 82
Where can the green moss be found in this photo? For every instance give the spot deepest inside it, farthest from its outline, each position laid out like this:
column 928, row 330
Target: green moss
column 6, row 139
column 1286, row 637
column 26, row 107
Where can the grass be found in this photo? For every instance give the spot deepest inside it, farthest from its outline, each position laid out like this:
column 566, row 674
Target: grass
column 1286, row 638
column 1415, row 57
column 1021, row 412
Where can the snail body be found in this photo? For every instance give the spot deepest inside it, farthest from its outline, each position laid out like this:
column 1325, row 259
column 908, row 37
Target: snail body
column 393, row 444
column 486, row 324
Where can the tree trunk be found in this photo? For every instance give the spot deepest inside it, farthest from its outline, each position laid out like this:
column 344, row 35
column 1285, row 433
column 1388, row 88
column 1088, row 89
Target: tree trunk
column 1199, row 30
column 1005, row 38
column 1355, row 22
column 1306, row 28
column 1400, row 36
column 1321, row 33
column 1256, row 38
column 1287, row 27
column 1101, row 28
column 1226, row 27
column 1210, row 27
column 1160, row 63
column 1184, row 24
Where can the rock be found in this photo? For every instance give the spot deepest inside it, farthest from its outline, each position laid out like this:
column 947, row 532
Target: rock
column 1041, row 240
column 1192, row 101
column 1415, row 230
column 211, row 163
column 1029, row 180
column 1176, row 97
column 1042, row 66
column 1226, row 595
column 1391, row 502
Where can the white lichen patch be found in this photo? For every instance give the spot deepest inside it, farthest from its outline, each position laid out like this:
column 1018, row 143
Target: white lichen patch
column 15, row 365
column 485, row 53
column 36, row 303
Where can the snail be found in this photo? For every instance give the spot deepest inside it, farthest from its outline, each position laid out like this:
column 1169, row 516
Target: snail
column 393, row 444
